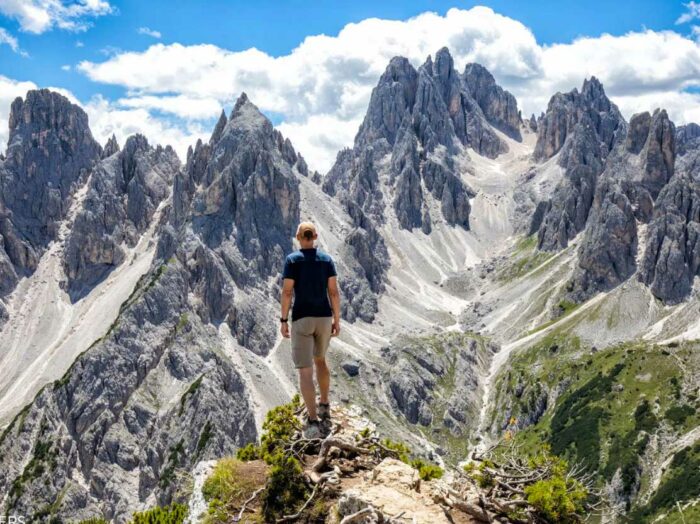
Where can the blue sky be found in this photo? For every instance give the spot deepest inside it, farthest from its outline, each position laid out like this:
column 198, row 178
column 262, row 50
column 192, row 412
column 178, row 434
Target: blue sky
column 103, row 52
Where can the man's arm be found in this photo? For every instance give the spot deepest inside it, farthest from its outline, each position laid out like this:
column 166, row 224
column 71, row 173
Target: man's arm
column 286, row 300
column 334, row 295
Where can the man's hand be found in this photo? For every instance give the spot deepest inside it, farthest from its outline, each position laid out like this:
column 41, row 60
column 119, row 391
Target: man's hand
column 284, row 329
column 335, row 328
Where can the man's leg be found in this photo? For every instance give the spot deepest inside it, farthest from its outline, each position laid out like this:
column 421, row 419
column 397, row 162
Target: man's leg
column 308, row 391
column 323, row 376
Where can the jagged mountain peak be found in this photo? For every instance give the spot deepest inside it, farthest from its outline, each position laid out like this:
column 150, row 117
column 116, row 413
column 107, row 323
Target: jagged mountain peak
column 111, row 147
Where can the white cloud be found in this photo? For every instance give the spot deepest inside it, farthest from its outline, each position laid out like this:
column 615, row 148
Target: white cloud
column 107, row 118
column 65, row 67
column 692, row 13
column 39, row 16
column 320, row 90
column 7, row 38
column 78, row 43
column 149, row 32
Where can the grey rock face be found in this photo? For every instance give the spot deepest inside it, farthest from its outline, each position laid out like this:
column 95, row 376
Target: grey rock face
column 49, row 152
column 672, row 256
column 234, row 213
column 498, row 105
column 634, row 173
column 111, row 147
column 123, row 194
column 416, row 122
column 566, row 110
column 133, row 413
column 583, row 127
column 687, row 138
column 434, row 380
column 565, row 214
column 607, row 255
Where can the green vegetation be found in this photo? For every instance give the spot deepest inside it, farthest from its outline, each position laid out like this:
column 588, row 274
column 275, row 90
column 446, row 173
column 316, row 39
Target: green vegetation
column 204, row 437
column 176, row 453
column 190, row 392
column 231, row 483
column 94, row 520
column 173, row 514
column 679, row 484
column 43, row 460
column 545, row 484
column 608, row 405
column 525, row 258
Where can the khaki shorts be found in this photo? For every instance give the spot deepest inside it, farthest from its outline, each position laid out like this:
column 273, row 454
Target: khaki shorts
column 310, row 339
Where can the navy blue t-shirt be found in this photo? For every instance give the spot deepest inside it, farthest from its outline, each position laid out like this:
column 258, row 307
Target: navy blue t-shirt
column 310, row 269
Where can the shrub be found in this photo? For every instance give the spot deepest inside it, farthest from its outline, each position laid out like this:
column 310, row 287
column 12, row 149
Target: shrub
column 557, row 499
column 286, row 487
column 427, row 470
column 173, row 514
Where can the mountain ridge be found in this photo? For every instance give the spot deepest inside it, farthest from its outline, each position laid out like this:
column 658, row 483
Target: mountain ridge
column 422, row 215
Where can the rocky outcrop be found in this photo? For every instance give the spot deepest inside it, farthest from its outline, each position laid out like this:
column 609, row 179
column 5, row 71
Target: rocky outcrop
column 149, row 400
column 566, row 110
column 672, row 256
column 434, row 381
column 582, row 128
column 123, row 194
column 416, row 122
column 499, row 106
column 635, row 173
column 50, row 152
column 687, row 138
column 235, row 210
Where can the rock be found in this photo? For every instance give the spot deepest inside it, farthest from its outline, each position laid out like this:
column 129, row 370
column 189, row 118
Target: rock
column 123, row 194
column 634, row 174
column 566, row 110
column 392, row 488
column 498, row 105
column 351, row 367
column 583, row 127
column 687, row 138
column 50, row 152
column 672, row 256
column 111, row 147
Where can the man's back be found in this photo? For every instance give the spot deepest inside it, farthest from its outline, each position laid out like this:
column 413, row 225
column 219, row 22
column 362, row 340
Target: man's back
column 310, row 269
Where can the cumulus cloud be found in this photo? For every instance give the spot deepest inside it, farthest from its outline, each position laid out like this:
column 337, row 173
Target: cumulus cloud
column 108, row 118
column 149, row 32
column 321, row 88
column 39, row 16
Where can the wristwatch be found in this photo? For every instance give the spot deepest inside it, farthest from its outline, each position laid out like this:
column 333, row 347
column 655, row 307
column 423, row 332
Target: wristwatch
column 283, row 320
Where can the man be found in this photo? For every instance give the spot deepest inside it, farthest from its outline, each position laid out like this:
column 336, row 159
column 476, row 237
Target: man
column 310, row 277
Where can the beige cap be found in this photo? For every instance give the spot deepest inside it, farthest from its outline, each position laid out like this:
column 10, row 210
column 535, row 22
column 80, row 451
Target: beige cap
column 304, row 227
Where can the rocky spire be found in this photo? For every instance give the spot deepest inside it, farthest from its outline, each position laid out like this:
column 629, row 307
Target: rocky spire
column 582, row 128
column 498, row 105
column 566, row 110
column 50, row 150
column 219, row 128
column 111, row 147
column 636, row 172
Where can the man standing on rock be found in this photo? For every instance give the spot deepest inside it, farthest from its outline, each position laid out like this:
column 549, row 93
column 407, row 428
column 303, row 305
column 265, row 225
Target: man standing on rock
column 310, row 277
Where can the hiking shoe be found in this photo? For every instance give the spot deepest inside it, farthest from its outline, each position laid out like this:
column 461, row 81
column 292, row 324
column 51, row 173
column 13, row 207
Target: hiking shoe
column 312, row 429
column 324, row 413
